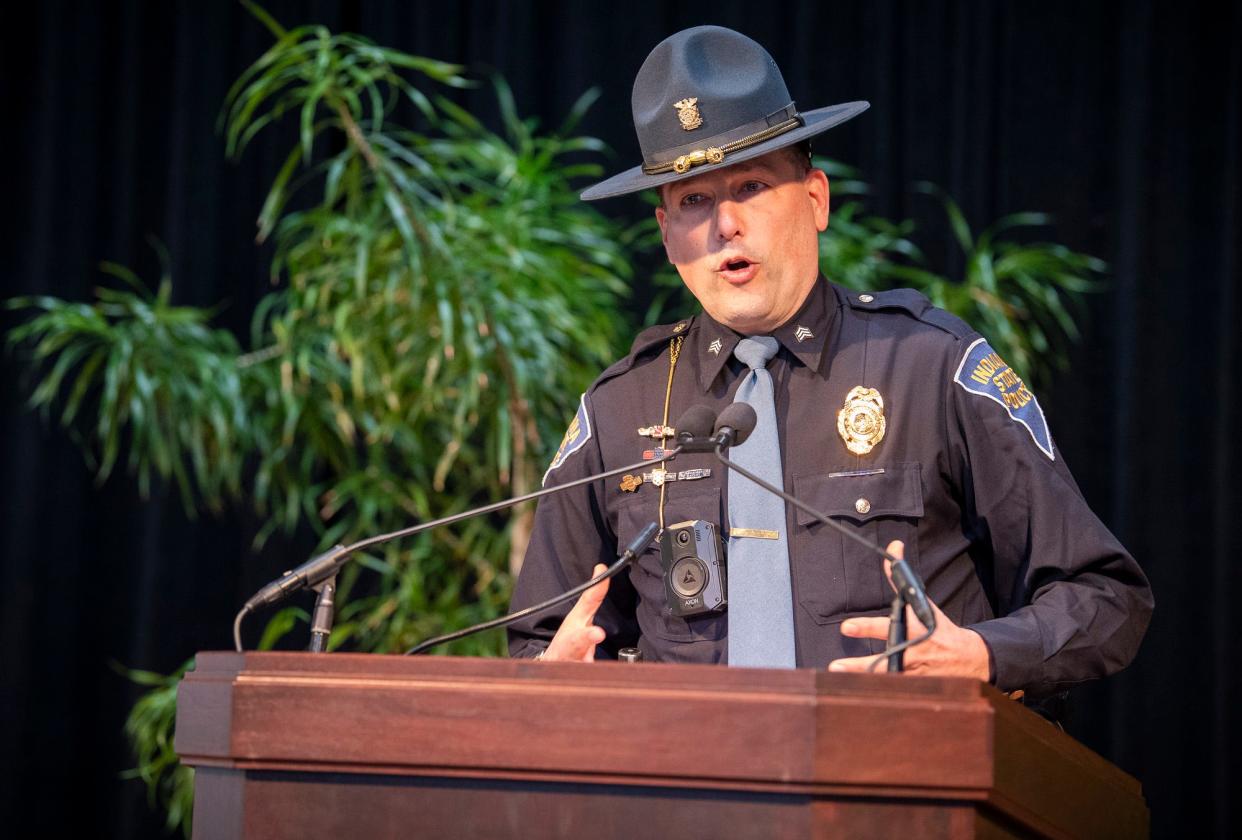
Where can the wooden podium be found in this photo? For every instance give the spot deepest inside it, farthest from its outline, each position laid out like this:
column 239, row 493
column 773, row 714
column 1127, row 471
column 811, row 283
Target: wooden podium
column 305, row 745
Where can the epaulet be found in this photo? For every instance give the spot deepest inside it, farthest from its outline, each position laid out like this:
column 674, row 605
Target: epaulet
column 657, row 336
column 916, row 304
column 908, row 299
column 948, row 322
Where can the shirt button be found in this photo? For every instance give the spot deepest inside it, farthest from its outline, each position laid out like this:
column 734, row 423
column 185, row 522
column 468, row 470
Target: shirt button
column 862, row 505
column 866, row 298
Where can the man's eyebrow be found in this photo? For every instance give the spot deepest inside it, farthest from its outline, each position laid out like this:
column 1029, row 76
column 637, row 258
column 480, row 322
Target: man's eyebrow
column 756, row 165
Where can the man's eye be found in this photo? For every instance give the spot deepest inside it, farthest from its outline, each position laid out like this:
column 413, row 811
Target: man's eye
column 752, row 186
column 692, row 199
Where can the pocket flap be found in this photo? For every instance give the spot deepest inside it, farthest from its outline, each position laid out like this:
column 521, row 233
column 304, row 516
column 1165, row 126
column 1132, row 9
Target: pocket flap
column 862, row 495
column 698, row 504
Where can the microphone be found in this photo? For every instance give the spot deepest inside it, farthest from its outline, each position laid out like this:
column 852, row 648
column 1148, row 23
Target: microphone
column 735, row 424
column 694, row 430
column 307, row 576
column 321, row 568
column 733, row 427
column 635, row 548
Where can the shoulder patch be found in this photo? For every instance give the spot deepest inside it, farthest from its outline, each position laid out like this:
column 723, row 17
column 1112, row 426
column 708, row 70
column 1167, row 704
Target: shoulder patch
column 576, row 436
column 983, row 372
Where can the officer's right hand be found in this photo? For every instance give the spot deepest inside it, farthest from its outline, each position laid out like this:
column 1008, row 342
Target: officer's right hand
column 578, row 636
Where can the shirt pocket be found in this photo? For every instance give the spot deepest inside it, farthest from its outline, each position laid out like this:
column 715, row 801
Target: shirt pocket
column 834, row 576
column 654, row 616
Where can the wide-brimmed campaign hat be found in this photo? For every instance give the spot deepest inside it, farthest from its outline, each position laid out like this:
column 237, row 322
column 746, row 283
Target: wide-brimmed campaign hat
column 710, row 97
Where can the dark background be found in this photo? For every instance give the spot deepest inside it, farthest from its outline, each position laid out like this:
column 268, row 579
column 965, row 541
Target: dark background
column 1122, row 119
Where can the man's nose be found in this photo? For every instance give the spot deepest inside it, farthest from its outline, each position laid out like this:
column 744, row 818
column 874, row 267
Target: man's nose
column 728, row 220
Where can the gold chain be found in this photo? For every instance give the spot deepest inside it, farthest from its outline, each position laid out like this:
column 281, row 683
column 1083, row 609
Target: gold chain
column 674, row 350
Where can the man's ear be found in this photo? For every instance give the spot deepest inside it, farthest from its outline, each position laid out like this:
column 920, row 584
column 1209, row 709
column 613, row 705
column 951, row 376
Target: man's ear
column 662, row 221
column 816, row 183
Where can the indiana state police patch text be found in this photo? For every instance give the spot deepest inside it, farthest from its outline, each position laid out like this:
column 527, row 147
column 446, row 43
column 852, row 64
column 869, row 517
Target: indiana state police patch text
column 983, row 372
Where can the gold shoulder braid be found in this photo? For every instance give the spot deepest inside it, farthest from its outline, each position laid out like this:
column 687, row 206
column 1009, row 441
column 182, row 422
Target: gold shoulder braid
column 674, row 350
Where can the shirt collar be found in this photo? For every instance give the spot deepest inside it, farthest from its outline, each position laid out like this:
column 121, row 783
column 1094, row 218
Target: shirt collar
column 714, row 349
column 804, row 335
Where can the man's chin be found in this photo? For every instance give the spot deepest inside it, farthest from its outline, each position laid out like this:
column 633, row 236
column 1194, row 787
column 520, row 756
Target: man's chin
column 747, row 323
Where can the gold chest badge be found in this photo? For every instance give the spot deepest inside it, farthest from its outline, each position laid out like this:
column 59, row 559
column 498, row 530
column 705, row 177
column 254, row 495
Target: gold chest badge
column 688, row 113
column 860, row 422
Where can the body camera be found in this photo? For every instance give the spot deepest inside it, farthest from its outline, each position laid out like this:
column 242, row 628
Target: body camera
column 693, row 560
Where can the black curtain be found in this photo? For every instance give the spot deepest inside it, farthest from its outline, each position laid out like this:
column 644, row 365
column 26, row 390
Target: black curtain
column 1121, row 118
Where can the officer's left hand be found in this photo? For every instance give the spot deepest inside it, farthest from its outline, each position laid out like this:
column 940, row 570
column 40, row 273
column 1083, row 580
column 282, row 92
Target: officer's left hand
column 951, row 651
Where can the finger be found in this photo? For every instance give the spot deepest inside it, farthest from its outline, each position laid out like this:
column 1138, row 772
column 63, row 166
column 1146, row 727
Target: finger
column 865, row 628
column 592, row 636
column 589, row 602
column 852, row 664
column 898, row 549
column 575, row 644
column 916, row 626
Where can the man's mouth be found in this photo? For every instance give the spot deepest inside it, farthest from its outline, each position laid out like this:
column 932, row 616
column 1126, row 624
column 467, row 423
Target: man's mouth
column 737, row 270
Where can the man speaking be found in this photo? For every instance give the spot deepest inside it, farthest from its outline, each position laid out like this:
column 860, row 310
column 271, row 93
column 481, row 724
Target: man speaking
column 887, row 414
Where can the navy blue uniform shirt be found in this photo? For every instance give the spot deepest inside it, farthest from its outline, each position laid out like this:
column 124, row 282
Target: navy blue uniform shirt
column 966, row 475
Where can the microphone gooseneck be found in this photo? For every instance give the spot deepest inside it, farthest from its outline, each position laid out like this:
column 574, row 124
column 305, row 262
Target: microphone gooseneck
column 698, row 419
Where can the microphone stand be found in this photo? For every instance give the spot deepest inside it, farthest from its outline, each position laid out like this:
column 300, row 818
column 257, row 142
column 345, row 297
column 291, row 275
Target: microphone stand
column 897, row 634
column 321, row 619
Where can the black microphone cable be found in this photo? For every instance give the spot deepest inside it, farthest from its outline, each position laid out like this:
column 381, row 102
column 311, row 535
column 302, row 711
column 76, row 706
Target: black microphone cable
column 632, row 550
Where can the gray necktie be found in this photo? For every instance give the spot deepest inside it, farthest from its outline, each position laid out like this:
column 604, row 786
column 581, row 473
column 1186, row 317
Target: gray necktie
column 761, row 632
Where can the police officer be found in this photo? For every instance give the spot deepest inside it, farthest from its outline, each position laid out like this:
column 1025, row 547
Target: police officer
column 887, row 414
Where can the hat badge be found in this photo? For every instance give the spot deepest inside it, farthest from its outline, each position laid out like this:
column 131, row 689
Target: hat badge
column 688, row 113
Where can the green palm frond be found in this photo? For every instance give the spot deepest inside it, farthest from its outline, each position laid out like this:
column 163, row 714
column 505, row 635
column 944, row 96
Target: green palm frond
column 1025, row 298
column 442, row 298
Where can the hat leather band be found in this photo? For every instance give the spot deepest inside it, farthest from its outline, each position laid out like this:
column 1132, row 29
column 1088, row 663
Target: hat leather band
column 753, row 134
